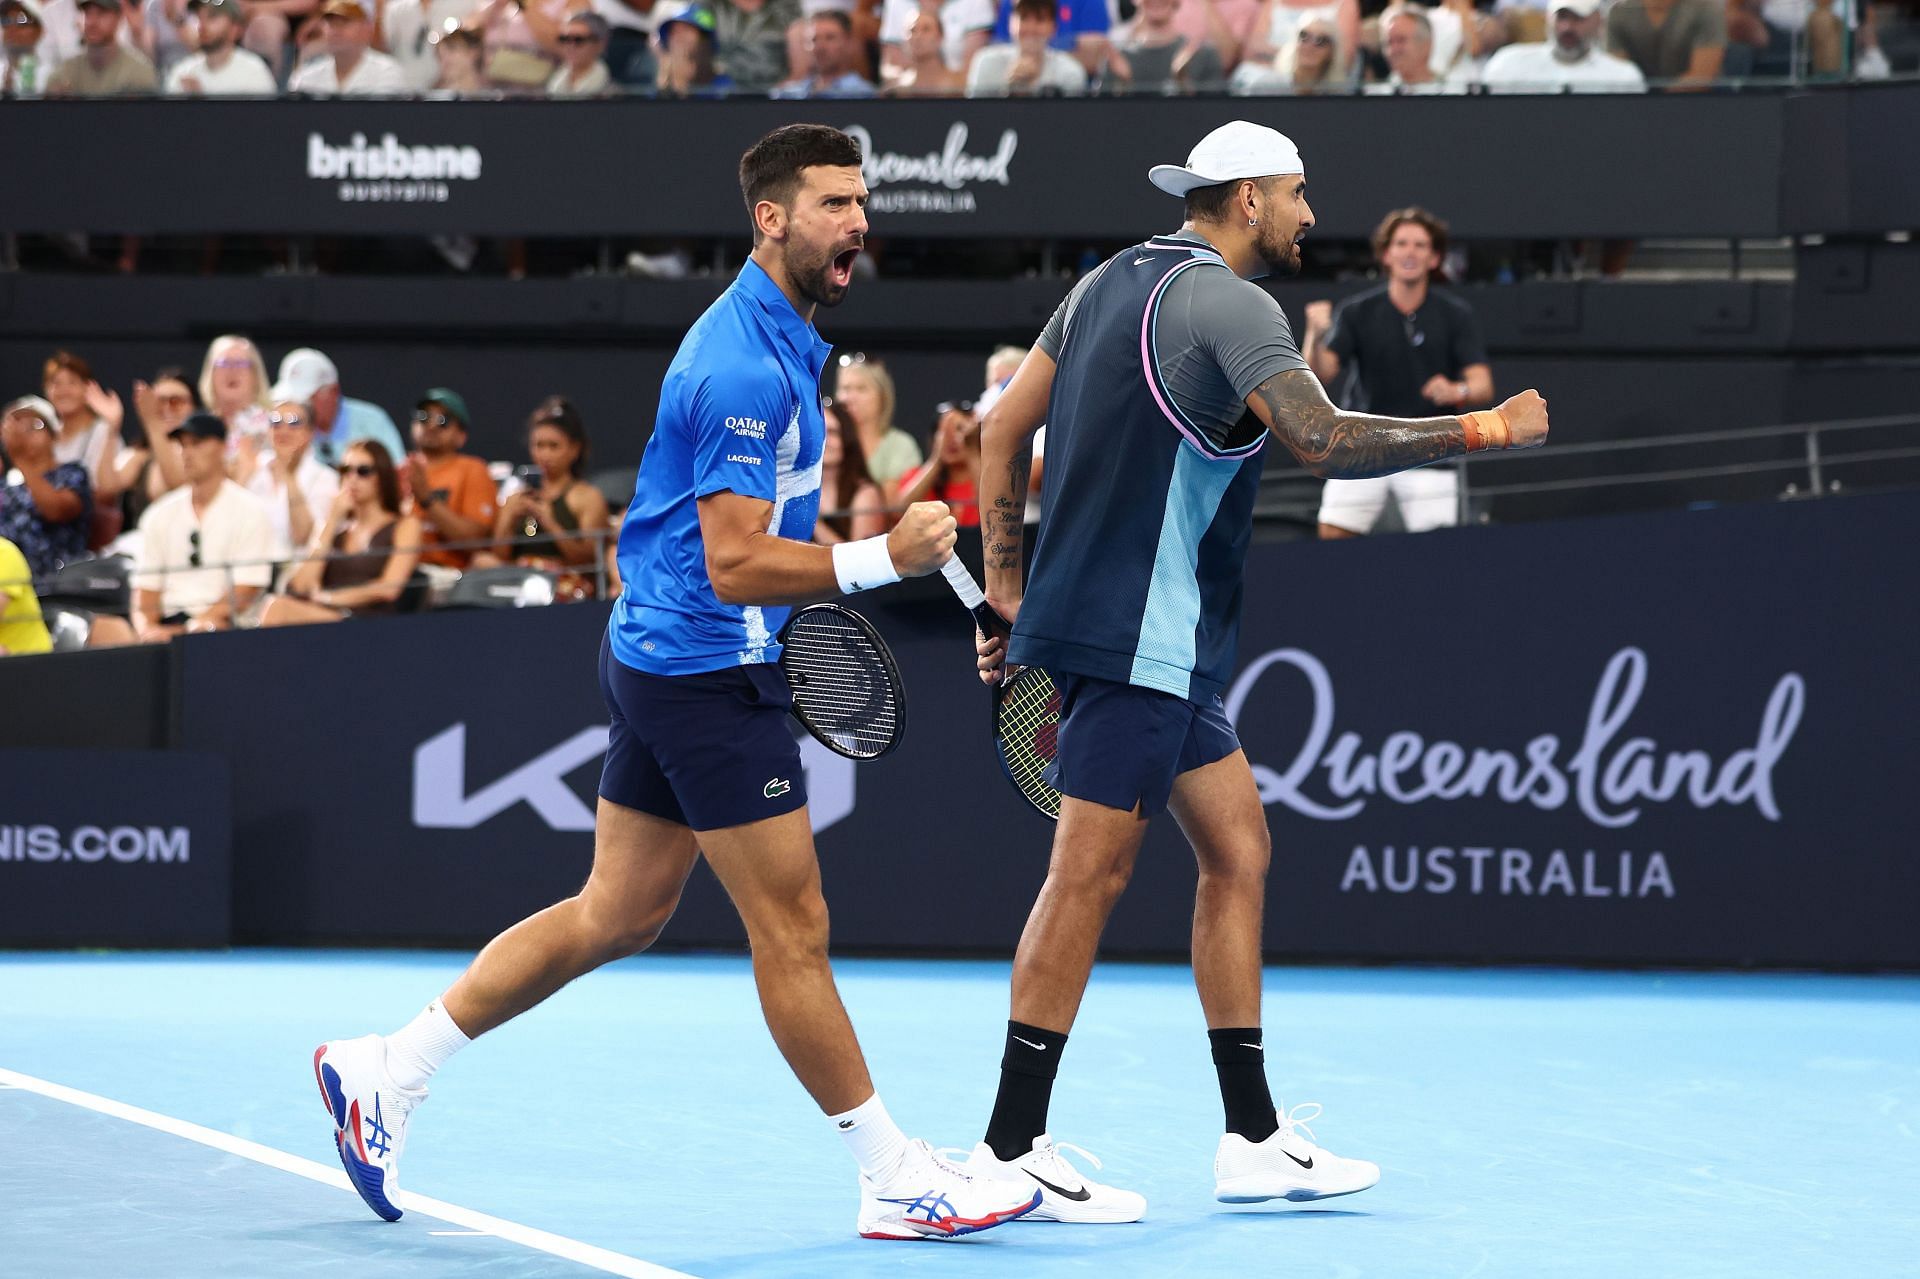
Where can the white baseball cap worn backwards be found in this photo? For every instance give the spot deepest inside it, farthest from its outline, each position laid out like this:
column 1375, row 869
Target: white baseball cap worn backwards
column 1238, row 149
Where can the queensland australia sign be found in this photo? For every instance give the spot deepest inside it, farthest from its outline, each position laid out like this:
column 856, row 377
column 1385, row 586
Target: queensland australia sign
column 949, row 177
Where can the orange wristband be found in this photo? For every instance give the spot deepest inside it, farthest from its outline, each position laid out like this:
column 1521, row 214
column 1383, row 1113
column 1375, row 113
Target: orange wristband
column 1486, row 429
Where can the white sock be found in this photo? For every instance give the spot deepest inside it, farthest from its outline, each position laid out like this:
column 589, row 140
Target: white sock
column 422, row 1046
column 875, row 1140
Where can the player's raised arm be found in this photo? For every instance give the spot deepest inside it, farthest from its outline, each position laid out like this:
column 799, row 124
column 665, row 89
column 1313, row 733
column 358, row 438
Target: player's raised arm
column 1006, row 460
column 749, row 565
column 1335, row 444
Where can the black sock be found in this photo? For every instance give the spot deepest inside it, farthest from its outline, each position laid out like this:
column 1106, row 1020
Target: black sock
column 1242, row 1065
column 1027, row 1069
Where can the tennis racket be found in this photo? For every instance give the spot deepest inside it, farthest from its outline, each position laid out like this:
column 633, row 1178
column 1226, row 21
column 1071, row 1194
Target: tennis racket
column 1026, row 706
column 846, row 686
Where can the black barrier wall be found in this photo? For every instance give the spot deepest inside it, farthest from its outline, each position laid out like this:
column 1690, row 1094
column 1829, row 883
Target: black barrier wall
column 1708, row 165
column 1653, row 739
column 113, row 848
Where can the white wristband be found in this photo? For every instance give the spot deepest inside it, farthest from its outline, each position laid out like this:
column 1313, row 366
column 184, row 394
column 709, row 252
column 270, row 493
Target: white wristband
column 863, row 565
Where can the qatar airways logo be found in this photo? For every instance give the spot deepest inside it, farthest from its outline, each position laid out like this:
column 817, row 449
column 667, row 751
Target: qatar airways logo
column 1609, row 777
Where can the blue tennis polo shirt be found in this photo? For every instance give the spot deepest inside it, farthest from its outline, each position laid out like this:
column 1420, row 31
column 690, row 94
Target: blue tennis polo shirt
column 739, row 411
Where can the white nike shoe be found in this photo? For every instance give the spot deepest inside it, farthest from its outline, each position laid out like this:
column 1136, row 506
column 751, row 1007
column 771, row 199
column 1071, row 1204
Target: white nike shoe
column 926, row 1197
column 369, row 1116
column 1065, row 1194
column 1286, row 1165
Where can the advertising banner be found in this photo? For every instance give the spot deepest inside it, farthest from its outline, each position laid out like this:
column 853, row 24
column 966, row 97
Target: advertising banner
column 113, row 848
column 1671, row 738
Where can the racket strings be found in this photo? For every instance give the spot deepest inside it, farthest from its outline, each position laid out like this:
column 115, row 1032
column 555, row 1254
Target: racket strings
column 1028, row 727
column 842, row 684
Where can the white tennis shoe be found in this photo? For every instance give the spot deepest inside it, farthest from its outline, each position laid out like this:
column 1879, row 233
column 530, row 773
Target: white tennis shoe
column 369, row 1116
column 1066, row 1195
column 926, row 1197
column 1286, row 1165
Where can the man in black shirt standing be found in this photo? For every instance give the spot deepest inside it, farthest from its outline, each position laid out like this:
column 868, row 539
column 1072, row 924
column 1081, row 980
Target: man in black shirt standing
column 1411, row 349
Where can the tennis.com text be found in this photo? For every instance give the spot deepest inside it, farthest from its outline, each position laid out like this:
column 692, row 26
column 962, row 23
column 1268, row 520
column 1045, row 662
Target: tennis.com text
column 124, row 844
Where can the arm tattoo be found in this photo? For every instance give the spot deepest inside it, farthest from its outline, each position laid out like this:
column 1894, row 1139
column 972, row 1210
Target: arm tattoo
column 1004, row 525
column 1336, row 444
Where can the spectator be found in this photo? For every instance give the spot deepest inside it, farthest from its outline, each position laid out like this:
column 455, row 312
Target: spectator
column 851, row 505
column 1568, row 61
column 457, row 54
column 1678, row 44
column 1080, row 30
column 410, row 30
column 1413, row 351
column 1156, row 56
column 44, row 511
column 1279, row 21
column 1029, row 65
column 272, row 25
column 351, row 67
column 926, row 73
column 582, row 74
column 630, row 25
column 106, row 67
column 221, row 68
column 233, row 384
column 687, row 46
column 205, row 548
column 865, row 389
column 830, row 49
column 453, row 495
column 364, row 554
column 556, row 520
column 1001, row 366
column 522, row 41
column 296, row 490
column 1406, row 37
column 338, row 420
column 952, row 474
column 750, row 39
column 86, row 427
column 159, row 406
column 22, row 27
column 965, row 27
column 21, row 629
column 1312, row 61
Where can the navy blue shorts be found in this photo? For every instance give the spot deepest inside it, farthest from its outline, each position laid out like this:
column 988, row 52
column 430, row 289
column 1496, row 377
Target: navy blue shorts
column 708, row 751
column 1122, row 746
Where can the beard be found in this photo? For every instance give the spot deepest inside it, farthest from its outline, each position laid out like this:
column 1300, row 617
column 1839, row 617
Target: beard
column 817, row 273
column 1278, row 251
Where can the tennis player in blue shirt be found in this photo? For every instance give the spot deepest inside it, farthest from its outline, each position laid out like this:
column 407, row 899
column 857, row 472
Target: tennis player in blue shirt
column 701, row 759
column 1161, row 378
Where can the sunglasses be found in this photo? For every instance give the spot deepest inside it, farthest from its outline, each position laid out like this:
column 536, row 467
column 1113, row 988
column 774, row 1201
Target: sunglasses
column 577, row 40
column 424, row 418
column 286, row 419
column 173, row 401
column 1315, row 38
column 18, row 18
column 233, row 362
column 193, row 540
column 361, row 469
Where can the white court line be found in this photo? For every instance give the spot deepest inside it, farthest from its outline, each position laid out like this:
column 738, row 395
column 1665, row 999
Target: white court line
column 614, row 1263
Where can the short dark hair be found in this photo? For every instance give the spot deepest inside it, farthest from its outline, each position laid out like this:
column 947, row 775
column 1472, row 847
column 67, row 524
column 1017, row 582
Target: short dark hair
column 770, row 170
column 1047, row 9
column 1435, row 228
column 838, row 17
column 1209, row 204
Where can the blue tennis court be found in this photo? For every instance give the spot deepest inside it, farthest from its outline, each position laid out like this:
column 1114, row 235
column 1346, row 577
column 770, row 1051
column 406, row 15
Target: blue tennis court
column 642, row 1123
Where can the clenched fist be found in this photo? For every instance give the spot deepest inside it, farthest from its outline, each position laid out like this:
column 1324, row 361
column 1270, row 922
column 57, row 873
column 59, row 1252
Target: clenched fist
column 1526, row 415
column 923, row 539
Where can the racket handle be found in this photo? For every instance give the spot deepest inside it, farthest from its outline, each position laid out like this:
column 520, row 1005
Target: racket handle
column 989, row 622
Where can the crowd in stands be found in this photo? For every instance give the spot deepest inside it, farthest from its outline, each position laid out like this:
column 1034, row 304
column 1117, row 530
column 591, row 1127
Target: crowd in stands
column 235, row 500
column 862, row 48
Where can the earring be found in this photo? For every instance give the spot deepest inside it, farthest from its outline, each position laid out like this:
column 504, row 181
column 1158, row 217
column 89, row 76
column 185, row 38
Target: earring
column 1253, row 221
